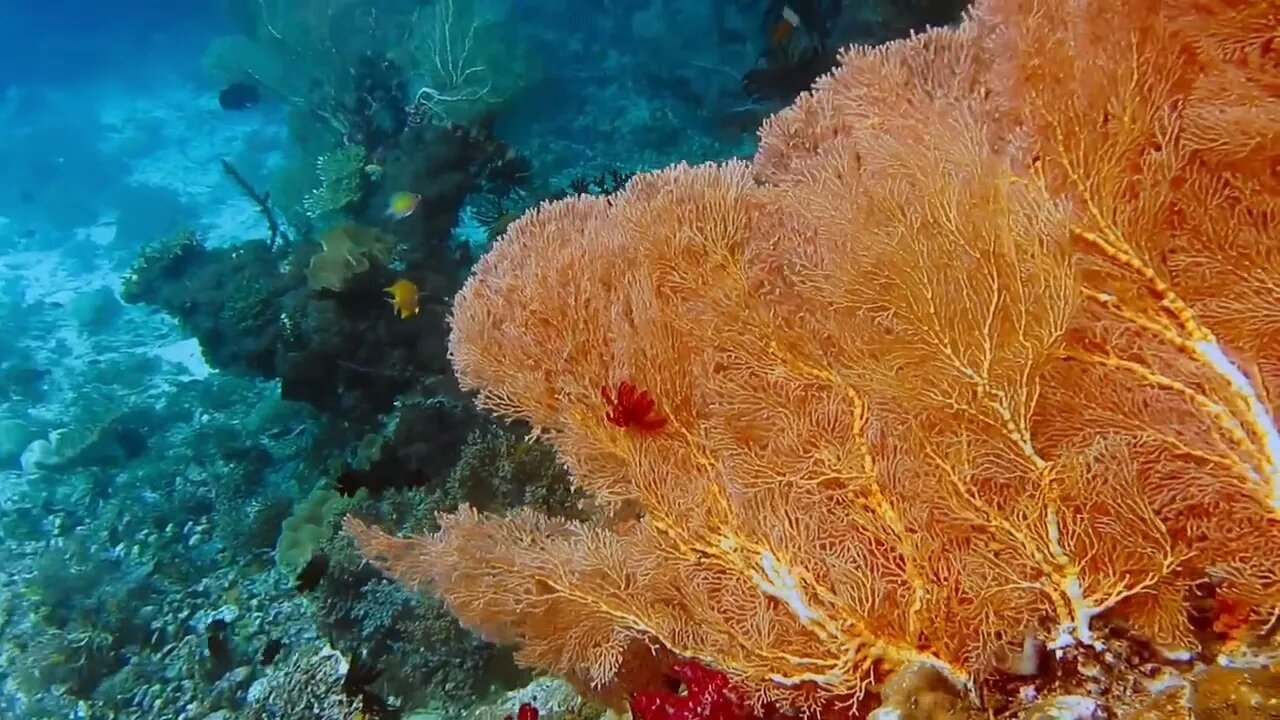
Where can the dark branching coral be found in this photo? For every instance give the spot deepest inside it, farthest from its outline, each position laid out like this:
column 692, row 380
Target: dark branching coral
column 498, row 210
column 262, row 200
column 786, row 72
column 498, row 168
column 419, row 448
column 375, row 111
column 889, row 19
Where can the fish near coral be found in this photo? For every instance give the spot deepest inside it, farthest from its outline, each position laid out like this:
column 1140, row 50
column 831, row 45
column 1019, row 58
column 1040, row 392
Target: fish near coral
column 402, row 204
column 312, row 573
column 239, row 96
column 785, row 27
column 270, row 651
column 403, row 296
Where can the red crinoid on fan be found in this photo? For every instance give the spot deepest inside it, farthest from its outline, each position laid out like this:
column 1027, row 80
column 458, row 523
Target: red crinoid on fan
column 630, row 407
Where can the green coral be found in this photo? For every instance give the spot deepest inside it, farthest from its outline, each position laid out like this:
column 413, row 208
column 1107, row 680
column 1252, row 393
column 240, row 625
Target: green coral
column 341, row 175
column 158, row 263
column 307, row 529
column 368, row 451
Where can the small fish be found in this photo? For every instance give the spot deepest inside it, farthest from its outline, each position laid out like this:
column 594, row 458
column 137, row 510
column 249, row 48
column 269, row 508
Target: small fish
column 402, row 204
column 239, row 96
column 312, row 573
column 789, row 23
column 270, row 651
column 361, row 673
column 403, row 298
column 350, row 482
column 220, row 658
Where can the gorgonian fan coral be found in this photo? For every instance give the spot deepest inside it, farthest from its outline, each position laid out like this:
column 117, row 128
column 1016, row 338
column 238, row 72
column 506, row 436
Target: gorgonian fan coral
column 977, row 358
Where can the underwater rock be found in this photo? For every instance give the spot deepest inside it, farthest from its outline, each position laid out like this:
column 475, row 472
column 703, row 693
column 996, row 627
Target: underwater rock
column 38, row 456
column 15, row 437
column 95, row 310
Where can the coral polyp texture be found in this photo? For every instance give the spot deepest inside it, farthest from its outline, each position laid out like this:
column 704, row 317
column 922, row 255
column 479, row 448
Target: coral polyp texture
column 973, row 368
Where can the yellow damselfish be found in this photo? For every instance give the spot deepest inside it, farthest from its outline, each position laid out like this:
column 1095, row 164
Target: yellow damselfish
column 403, row 296
column 402, row 204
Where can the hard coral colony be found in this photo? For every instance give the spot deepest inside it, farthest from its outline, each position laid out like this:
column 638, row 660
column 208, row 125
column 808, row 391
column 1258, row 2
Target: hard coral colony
column 969, row 375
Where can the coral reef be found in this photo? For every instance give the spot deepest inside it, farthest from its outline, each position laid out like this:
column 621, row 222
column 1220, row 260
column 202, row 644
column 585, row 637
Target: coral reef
column 357, row 101
column 315, row 317
column 946, row 377
column 230, row 298
column 172, row 535
column 431, row 456
column 121, row 580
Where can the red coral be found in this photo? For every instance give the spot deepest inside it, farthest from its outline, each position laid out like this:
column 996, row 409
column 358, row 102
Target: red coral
column 708, row 695
column 631, row 407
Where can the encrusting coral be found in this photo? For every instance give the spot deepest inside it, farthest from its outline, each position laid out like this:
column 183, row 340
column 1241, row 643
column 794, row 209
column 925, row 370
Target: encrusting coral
column 347, row 249
column 975, row 362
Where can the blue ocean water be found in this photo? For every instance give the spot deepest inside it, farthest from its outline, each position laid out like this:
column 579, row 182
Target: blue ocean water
column 201, row 207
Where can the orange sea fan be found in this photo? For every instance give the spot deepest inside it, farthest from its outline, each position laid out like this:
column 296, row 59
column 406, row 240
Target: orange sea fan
column 872, row 89
column 983, row 343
